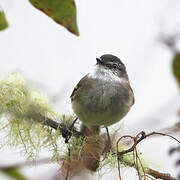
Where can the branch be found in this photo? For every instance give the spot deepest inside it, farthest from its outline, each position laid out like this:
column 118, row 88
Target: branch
column 65, row 130
column 158, row 175
column 172, row 129
column 137, row 139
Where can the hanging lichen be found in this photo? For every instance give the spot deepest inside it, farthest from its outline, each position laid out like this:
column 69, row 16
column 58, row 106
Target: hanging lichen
column 21, row 112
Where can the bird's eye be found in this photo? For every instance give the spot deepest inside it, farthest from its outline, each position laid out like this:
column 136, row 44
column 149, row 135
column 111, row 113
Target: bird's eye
column 115, row 66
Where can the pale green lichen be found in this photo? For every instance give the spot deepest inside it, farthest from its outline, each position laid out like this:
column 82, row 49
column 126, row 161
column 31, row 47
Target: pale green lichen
column 76, row 148
column 107, row 164
column 21, row 112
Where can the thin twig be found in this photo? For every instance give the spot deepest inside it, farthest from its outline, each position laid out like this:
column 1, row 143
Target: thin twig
column 70, row 133
column 162, row 134
column 137, row 166
column 118, row 157
column 137, row 139
column 141, row 165
column 149, row 177
column 119, row 168
column 109, row 145
column 158, row 175
column 69, row 161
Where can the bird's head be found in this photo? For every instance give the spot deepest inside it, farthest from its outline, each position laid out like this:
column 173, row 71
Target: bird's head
column 113, row 64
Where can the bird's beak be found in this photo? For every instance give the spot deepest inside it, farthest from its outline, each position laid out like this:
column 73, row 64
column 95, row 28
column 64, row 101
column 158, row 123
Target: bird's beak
column 99, row 61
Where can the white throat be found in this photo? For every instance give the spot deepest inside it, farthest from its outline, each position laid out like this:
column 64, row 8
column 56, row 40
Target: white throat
column 105, row 74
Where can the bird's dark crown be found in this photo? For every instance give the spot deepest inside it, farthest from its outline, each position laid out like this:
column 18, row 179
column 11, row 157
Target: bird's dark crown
column 111, row 62
column 110, row 58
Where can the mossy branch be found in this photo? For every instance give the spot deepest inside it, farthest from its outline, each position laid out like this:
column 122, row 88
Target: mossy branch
column 30, row 123
column 66, row 130
column 28, row 120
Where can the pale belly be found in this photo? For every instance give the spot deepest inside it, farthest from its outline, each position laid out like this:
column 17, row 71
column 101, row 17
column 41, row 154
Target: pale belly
column 104, row 104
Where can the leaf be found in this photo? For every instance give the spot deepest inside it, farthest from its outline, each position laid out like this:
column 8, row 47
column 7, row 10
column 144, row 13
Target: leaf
column 61, row 11
column 3, row 22
column 176, row 67
column 13, row 173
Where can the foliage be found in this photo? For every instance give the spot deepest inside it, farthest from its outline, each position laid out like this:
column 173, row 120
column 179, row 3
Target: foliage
column 176, row 67
column 61, row 11
column 3, row 21
column 14, row 173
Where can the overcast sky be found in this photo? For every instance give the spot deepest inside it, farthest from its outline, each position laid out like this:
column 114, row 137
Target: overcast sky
column 54, row 60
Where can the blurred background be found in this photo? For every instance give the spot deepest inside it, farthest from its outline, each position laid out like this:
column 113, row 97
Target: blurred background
column 54, row 60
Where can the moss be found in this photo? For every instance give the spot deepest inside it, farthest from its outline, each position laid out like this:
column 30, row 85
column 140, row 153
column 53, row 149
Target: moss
column 176, row 67
column 21, row 110
column 108, row 164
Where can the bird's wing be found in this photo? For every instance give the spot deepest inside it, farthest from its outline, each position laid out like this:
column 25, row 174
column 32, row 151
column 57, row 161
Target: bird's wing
column 133, row 95
column 78, row 87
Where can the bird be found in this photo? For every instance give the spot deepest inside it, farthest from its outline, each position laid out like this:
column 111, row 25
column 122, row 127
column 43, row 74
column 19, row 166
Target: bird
column 103, row 96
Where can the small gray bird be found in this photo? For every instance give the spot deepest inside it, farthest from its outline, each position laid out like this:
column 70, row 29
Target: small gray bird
column 104, row 96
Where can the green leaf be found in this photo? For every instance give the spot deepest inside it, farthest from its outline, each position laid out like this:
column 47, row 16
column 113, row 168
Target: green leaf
column 176, row 67
column 13, row 173
column 61, row 11
column 3, row 22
